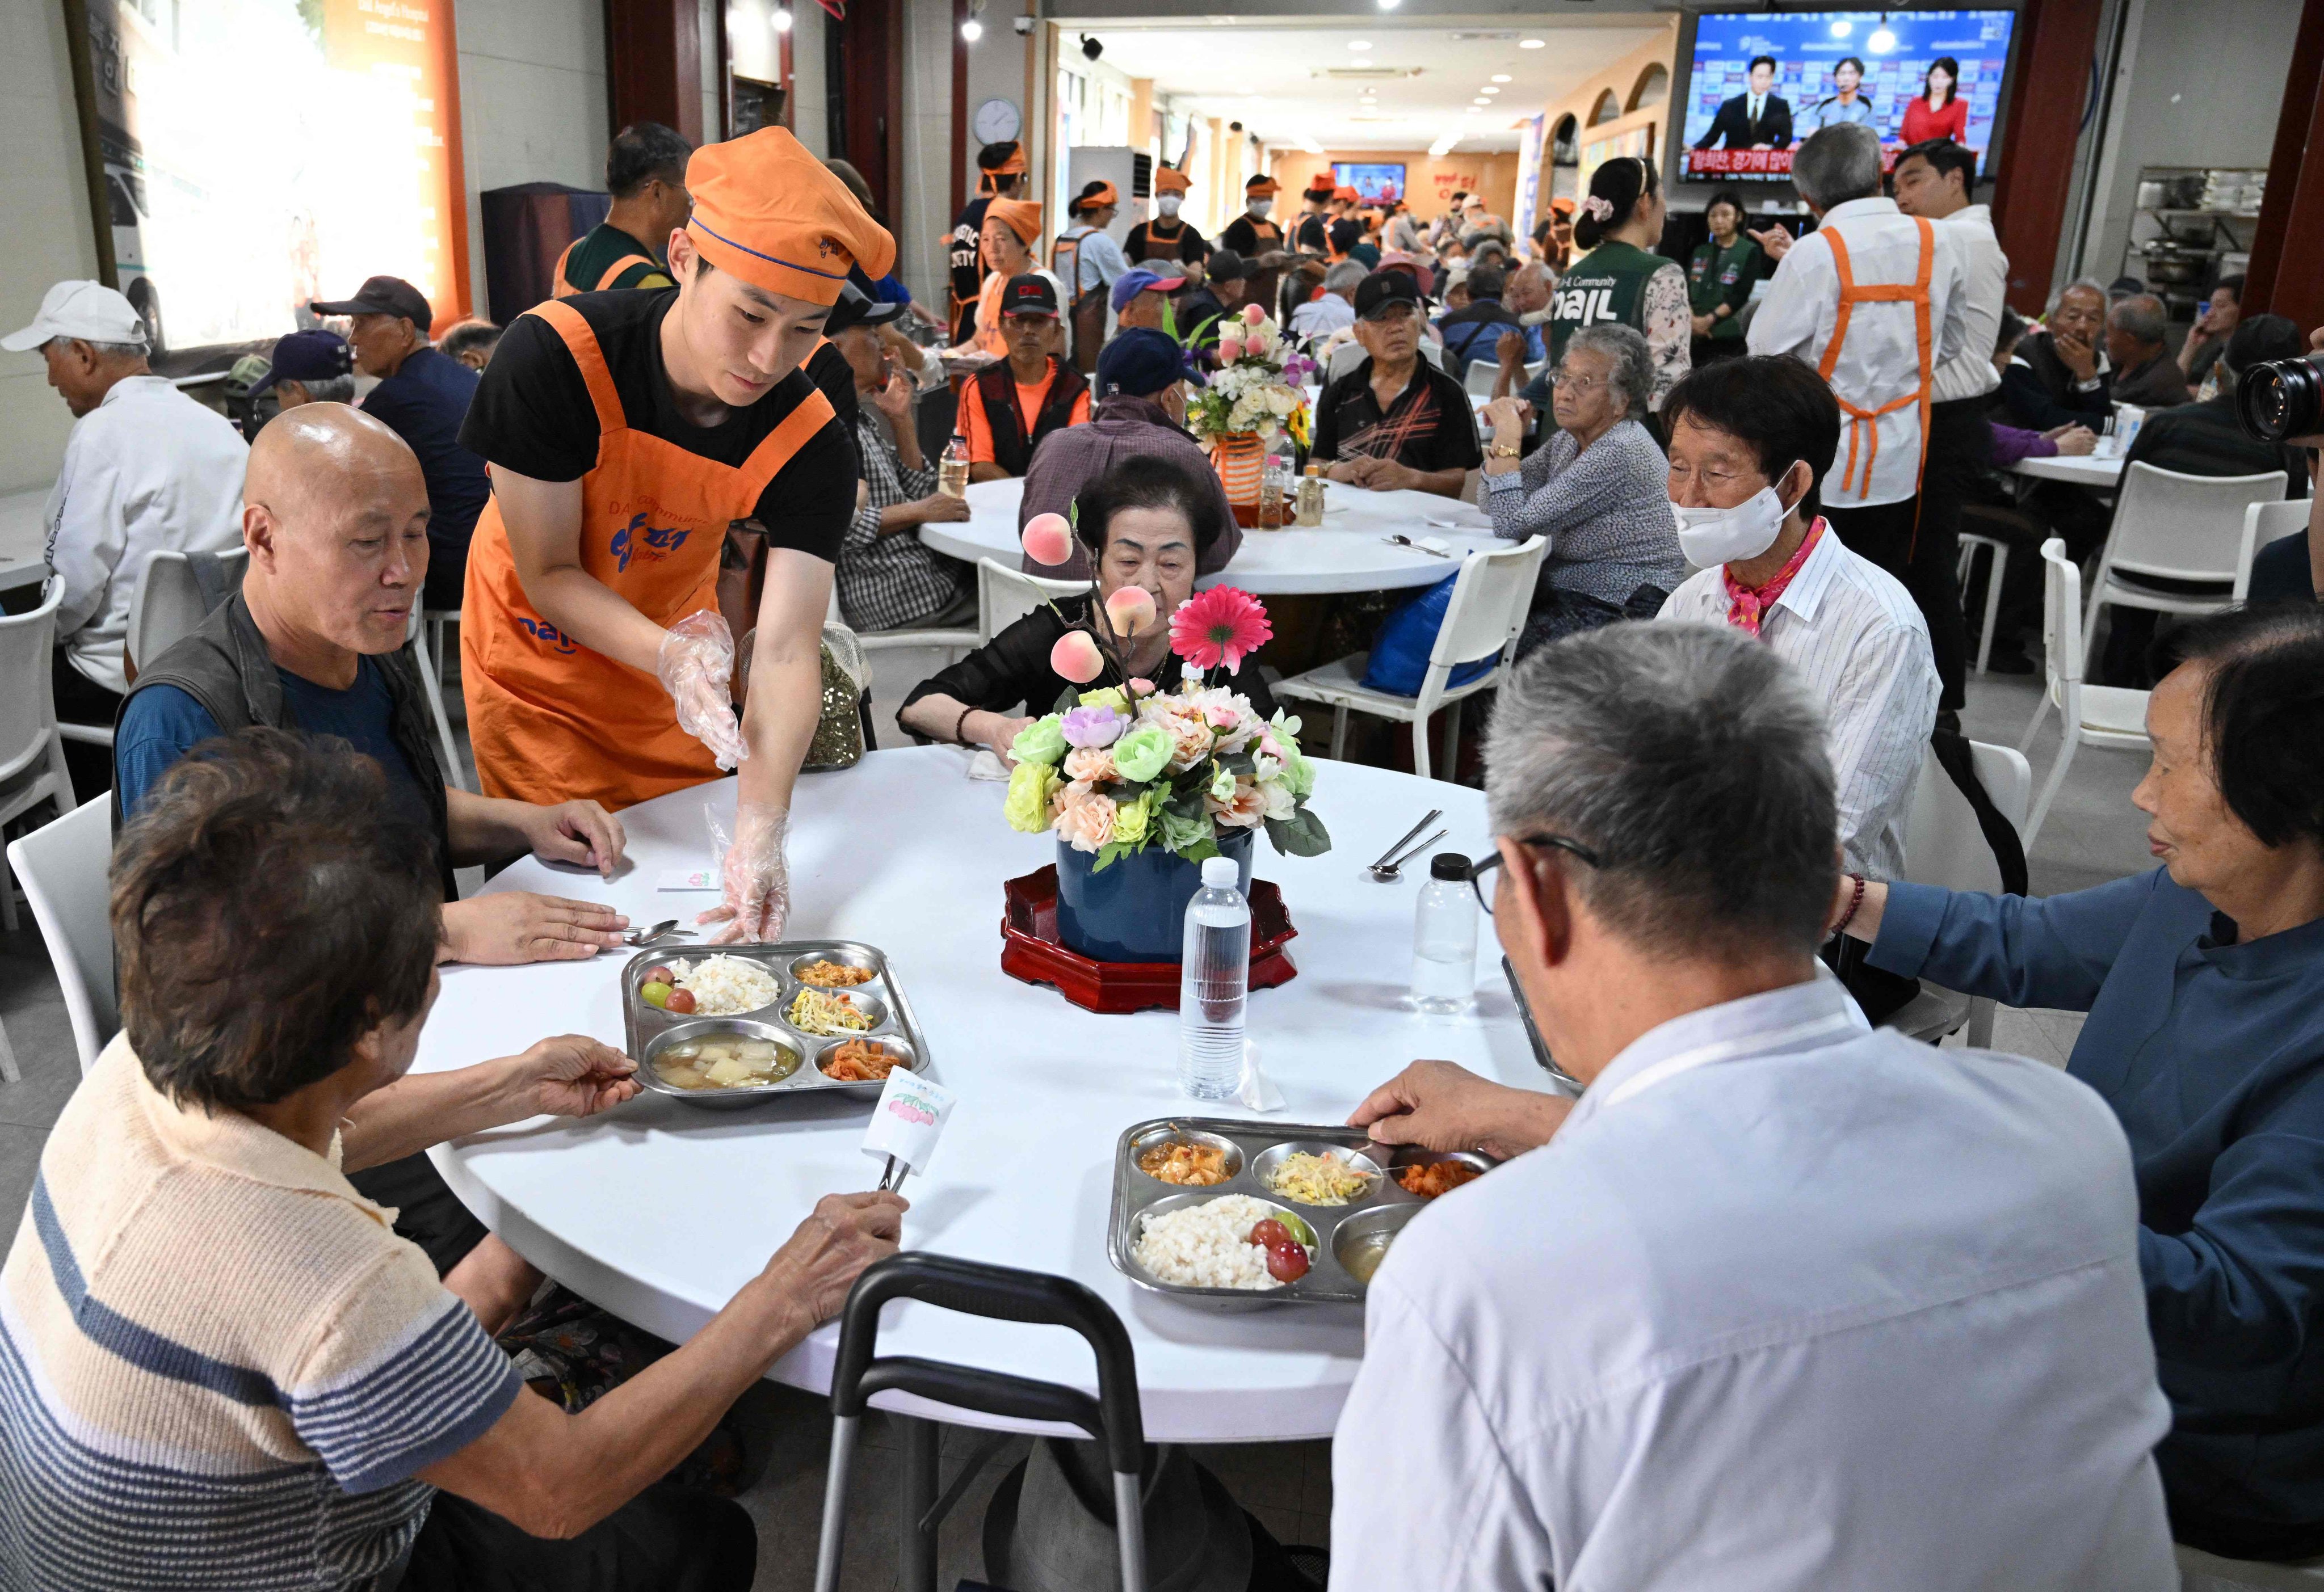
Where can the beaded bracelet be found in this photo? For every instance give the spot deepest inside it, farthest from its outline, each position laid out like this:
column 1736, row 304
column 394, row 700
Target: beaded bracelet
column 1854, row 902
column 960, row 728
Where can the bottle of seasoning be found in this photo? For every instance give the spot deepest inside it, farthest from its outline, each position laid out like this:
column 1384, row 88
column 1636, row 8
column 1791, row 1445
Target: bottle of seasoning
column 1271, row 493
column 952, row 468
column 1308, row 513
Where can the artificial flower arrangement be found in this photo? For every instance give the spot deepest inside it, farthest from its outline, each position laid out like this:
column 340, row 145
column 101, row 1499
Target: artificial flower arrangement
column 1124, row 767
column 1256, row 388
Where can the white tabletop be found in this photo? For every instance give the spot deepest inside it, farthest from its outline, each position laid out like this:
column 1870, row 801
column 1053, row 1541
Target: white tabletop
column 661, row 1211
column 23, row 537
column 2086, row 470
column 1346, row 555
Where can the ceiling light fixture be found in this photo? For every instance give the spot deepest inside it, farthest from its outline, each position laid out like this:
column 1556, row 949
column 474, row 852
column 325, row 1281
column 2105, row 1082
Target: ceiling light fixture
column 1389, row 5
column 1881, row 40
column 1500, row 77
column 1531, row 43
column 1360, row 43
column 1444, row 144
column 1489, row 88
column 971, row 29
column 782, row 19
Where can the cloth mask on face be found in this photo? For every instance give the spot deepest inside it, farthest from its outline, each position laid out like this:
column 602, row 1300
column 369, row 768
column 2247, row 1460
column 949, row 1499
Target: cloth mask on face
column 1168, row 204
column 1259, row 208
column 1711, row 536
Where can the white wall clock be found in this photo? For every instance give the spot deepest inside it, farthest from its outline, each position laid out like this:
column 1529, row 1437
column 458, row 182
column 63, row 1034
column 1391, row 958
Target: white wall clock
column 996, row 121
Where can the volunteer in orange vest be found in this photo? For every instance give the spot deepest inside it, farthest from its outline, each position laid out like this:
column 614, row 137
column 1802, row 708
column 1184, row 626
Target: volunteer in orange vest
column 1169, row 237
column 625, row 433
column 1875, row 300
column 1258, row 240
column 1000, row 175
column 1087, row 261
column 1011, row 228
column 645, row 172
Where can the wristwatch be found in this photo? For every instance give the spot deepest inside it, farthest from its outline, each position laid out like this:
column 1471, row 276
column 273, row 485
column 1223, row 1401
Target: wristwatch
column 1503, row 450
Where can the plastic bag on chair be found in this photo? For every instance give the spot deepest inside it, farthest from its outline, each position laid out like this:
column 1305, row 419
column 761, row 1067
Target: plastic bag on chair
column 1399, row 659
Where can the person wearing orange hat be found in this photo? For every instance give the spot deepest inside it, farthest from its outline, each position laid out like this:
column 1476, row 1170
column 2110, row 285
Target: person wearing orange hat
column 1000, row 175
column 1011, row 228
column 1169, row 237
column 625, row 432
column 1087, row 260
column 1258, row 240
column 1308, row 236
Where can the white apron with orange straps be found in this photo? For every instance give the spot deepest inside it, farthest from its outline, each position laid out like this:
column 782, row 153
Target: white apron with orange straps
column 1864, row 410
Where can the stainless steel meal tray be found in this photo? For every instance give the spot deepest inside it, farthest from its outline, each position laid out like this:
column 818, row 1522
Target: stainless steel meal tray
column 651, row 1028
column 1250, row 1147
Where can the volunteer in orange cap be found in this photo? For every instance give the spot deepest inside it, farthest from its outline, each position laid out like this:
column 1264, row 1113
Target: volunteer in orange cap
column 1011, row 228
column 1087, row 260
column 1169, row 236
column 1000, row 175
column 625, row 432
column 1309, row 236
column 1258, row 240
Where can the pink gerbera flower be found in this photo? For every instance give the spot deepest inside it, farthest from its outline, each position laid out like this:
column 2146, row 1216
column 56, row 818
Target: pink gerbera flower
column 1219, row 626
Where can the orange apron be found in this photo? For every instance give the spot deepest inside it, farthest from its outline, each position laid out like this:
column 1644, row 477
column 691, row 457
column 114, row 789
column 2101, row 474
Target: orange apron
column 1863, row 423
column 552, row 721
column 561, row 288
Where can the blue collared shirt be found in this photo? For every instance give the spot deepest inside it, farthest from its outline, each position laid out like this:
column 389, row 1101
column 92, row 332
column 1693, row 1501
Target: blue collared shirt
column 1786, row 1303
column 2211, row 1053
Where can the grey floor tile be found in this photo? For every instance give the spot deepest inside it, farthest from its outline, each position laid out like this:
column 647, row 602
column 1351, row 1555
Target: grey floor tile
column 20, row 1163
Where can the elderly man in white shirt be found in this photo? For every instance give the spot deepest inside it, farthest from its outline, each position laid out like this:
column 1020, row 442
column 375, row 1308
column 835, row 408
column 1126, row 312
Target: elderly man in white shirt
column 146, row 469
column 1335, row 309
column 1780, row 1302
column 1877, row 303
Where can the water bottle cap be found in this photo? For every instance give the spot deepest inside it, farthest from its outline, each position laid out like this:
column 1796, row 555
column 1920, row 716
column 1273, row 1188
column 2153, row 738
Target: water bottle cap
column 1221, row 873
column 1449, row 865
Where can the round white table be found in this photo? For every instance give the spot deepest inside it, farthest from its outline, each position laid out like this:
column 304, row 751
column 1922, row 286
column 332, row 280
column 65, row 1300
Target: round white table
column 1348, row 554
column 659, row 1212
column 2085, row 470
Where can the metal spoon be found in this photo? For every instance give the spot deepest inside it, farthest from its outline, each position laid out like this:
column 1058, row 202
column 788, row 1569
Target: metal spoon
column 1386, row 872
column 666, row 929
column 1433, row 813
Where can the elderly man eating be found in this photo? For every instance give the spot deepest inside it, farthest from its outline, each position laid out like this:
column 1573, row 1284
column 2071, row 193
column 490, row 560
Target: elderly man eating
column 221, row 1367
column 1776, row 1284
column 1395, row 422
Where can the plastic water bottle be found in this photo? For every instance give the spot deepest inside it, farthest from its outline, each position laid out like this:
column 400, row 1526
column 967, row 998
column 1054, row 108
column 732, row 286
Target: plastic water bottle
column 1215, row 981
column 952, row 467
column 1444, row 938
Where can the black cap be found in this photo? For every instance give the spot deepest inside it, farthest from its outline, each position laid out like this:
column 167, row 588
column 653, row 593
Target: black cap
column 315, row 355
column 856, row 308
column 1450, row 865
column 382, row 295
column 1225, row 265
column 1030, row 294
column 1376, row 291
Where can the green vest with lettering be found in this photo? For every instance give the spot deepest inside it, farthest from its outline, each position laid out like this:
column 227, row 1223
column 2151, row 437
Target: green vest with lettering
column 1605, row 287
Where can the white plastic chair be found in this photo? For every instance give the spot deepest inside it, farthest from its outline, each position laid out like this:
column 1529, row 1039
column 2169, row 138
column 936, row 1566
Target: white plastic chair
column 1005, row 595
column 1996, row 567
column 1490, row 598
column 2182, row 528
column 2207, row 1572
column 434, row 622
column 31, row 753
column 167, row 605
column 62, row 865
column 2264, row 523
column 1482, row 374
column 416, row 635
column 2112, row 716
column 1944, row 845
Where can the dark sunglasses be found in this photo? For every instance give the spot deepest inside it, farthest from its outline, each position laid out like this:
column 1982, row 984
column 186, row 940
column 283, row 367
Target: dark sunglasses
column 1480, row 866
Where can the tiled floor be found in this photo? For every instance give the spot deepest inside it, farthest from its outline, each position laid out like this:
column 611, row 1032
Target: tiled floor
column 2092, row 835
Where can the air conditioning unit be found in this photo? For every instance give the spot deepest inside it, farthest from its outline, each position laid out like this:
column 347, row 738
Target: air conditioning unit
column 1363, row 74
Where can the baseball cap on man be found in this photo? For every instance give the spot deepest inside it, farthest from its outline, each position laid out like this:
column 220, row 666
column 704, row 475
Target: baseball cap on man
column 1030, row 294
column 1137, row 280
column 383, row 295
column 1382, row 289
column 1225, row 265
column 91, row 311
column 856, row 308
column 1140, row 362
column 306, row 356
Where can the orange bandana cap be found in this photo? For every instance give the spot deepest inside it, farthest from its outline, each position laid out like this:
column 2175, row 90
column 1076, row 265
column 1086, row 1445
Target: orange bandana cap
column 1169, row 180
column 1261, row 187
column 1320, row 183
column 1097, row 196
column 1561, row 207
column 768, row 212
column 998, row 160
column 1021, row 216
column 1345, row 192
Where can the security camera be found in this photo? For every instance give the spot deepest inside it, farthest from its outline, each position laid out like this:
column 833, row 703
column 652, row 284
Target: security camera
column 1234, row 126
column 1023, row 24
column 1090, row 47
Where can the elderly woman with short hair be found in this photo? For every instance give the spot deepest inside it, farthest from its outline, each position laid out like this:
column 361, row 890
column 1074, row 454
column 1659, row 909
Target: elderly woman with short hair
column 2204, row 983
column 219, row 1366
column 1597, row 489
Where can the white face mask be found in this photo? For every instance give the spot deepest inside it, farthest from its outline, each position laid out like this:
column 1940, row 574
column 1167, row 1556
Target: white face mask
column 1259, row 208
column 1168, row 204
column 1709, row 536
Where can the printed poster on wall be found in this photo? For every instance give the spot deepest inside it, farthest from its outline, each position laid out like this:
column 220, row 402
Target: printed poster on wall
column 254, row 154
column 1528, row 200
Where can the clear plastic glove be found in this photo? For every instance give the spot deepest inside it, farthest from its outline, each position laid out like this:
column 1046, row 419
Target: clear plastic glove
column 754, row 874
column 697, row 668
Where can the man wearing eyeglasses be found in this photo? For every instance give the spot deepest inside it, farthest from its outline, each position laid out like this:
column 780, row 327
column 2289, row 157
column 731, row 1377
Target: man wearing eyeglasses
column 1778, row 1281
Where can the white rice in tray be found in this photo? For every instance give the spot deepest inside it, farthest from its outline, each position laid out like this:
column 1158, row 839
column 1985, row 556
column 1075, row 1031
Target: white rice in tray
column 723, row 986
column 1207, row 1246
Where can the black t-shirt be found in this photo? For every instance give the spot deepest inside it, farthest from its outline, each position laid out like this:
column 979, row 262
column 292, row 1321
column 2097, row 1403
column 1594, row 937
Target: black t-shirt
column 1250, row 238
column 532, row 415
column 1429, row 426
column 1148, row 235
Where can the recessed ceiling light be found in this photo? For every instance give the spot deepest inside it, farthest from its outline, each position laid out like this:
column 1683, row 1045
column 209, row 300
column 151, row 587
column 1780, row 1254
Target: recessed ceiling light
column 1479, row 102
column 1489, row 88
column 1531, row 43
column 1360, row 43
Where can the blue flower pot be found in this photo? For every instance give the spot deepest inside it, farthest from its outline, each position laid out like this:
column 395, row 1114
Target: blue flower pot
column 1136, row 910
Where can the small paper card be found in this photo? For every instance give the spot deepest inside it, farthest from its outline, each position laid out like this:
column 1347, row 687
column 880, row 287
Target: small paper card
column 689, row 879
column 909, row 1120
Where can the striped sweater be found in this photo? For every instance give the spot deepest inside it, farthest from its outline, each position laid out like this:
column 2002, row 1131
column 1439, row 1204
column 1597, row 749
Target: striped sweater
column 219, row 1367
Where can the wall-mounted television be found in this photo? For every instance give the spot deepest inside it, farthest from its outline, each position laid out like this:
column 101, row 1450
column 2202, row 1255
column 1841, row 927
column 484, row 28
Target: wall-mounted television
column 1379, row 182
column 1858, row 66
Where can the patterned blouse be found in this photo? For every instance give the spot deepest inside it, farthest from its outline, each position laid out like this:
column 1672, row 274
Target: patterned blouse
column 1605, row 510
column 1670, row 330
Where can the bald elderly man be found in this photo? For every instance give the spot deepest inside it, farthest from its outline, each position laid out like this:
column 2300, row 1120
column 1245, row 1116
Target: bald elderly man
column 335, row 514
